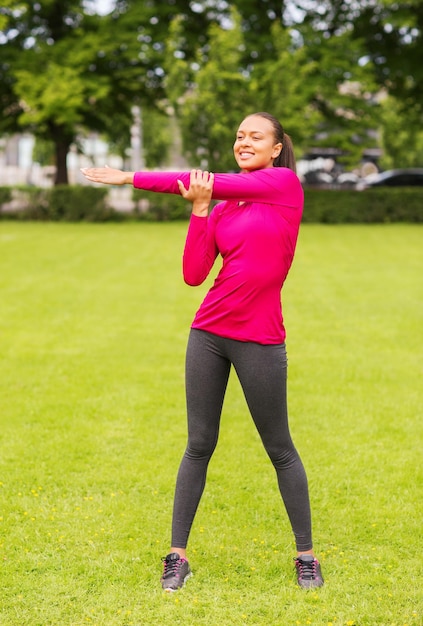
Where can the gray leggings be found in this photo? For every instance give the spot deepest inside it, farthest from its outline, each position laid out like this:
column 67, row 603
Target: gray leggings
column 262, row 372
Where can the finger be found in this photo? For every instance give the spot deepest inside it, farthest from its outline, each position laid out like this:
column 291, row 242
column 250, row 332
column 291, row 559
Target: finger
column 194, row 176
column 182, row 188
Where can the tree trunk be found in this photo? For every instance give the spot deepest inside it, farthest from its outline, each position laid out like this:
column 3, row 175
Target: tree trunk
column 62, row 140
column 61, row 148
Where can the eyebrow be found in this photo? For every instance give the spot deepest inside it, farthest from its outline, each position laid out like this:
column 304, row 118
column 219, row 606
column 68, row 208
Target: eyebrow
column 252, row 132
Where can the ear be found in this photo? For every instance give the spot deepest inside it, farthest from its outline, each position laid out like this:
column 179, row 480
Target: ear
column 277, row 149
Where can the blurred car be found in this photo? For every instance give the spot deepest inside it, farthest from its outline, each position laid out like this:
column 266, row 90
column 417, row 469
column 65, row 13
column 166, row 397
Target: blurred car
column 347, row 180
column 317, row 178
column 409, row 177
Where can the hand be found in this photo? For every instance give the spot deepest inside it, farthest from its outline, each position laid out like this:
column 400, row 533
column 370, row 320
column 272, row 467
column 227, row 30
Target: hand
column 107, row 175
column 199, row 192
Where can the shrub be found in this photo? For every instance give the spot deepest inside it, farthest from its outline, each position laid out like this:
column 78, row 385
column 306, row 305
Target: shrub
column 160, row 207
column 67, row 203
column 376, row 205
column 5, row 196
column 85, row 203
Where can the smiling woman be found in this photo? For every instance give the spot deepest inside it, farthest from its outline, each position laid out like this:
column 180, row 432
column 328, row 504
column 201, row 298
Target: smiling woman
column 262, row 135
column 239, row 323
column 255, row 146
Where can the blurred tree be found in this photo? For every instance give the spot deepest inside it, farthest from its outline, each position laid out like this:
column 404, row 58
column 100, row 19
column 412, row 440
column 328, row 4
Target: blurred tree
column 209, row 112
column 391, row 33
column 386, row 37
column 401, row 135
column 256, row 20
column 65, row 69
column 320, row 92
column 341, row 92
column 284, row 86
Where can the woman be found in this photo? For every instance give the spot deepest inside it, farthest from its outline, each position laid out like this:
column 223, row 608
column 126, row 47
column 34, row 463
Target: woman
column 240, row 322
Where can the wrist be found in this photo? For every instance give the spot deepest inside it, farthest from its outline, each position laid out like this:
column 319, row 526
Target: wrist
column 201, row 210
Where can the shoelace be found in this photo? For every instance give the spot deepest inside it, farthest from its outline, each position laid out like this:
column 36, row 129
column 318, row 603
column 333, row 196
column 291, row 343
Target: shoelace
column 307, row 569
column 171, row 567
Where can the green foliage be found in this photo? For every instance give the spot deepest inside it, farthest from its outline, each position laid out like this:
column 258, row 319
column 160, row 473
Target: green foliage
column 157, row 137
column 257, row 18
column 392, row 37
column 401, row 135
column 5, row 196
column 57, row 94
column 69, row 71
column 85, row 203
column 159, row 207
column 377, row 205
column 63, row 203
column 341, row 94
column 94, row 321
column 66, row 71
column 284, row 86
column 207, row 114
column 178, row 71
column 43, row 152
column 315, row 85
column 7, row 5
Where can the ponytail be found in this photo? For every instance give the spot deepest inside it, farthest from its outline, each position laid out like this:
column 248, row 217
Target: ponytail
column 286, row 157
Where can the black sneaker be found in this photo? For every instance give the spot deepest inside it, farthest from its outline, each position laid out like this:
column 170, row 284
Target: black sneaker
column 176, row 572
column 309, row 574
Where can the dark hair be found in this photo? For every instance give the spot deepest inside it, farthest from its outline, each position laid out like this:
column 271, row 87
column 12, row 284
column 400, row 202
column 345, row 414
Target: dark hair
column 286, row 157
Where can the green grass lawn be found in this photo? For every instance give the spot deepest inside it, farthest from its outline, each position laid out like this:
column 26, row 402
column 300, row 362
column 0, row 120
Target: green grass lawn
column 93, row 325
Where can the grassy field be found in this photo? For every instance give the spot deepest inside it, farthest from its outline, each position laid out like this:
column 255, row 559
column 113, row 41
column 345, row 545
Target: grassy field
column 93, row 326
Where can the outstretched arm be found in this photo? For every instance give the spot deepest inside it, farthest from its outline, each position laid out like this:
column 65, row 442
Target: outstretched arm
column 273, row 185
column 108, row 175
column 199, row 192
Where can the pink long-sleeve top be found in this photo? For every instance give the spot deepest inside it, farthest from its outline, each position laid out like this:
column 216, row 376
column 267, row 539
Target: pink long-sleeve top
column 255, row 231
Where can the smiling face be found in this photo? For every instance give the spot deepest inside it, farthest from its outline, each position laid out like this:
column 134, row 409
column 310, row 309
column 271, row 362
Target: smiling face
column 255, row 146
